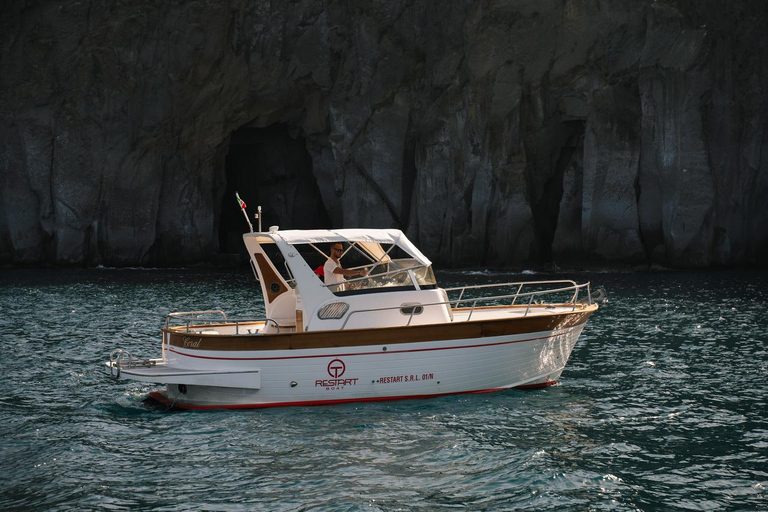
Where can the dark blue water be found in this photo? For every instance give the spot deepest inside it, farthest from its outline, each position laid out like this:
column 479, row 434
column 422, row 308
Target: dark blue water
column 662, row 407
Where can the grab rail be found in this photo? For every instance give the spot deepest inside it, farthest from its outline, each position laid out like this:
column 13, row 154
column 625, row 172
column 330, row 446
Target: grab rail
column 194, row 316
column 575, row 287
column 520, row 284
column 451, row 303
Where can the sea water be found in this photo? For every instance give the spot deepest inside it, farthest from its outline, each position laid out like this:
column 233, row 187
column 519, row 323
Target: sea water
column 662, row 406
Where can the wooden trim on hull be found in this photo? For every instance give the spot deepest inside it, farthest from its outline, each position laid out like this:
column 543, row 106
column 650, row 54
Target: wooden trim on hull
column 401, row 348
column 379, row 335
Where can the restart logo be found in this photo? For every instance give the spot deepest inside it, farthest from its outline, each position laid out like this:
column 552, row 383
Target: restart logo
column 336, row 370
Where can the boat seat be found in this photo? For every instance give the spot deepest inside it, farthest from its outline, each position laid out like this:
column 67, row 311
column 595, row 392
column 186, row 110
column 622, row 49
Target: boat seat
column 283, row 310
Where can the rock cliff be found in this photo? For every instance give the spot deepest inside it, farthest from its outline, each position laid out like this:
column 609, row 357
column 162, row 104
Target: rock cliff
column 493, row 132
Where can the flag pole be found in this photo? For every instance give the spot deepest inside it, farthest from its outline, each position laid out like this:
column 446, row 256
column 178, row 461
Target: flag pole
column 245, row 214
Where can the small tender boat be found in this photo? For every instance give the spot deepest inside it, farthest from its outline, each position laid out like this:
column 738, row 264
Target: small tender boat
column 390, row 334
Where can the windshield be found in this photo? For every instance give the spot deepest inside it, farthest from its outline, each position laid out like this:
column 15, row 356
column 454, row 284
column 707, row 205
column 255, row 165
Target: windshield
column 387, row 267
column 392, row 275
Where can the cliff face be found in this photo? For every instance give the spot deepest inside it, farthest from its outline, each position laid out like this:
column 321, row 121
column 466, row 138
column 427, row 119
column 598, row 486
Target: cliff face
column 493, row 133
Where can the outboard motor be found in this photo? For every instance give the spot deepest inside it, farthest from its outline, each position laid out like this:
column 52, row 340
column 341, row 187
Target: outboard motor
column 599, row 296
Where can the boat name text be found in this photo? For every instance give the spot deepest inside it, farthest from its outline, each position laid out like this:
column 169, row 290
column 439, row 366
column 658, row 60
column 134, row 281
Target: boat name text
column 191, row 343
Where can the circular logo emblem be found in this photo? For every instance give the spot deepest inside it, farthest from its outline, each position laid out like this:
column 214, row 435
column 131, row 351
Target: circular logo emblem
column 336, row 368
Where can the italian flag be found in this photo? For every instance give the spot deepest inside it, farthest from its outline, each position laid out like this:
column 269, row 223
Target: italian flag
column 240, row 201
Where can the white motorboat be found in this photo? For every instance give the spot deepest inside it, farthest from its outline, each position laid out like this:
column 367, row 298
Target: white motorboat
column 390, row 334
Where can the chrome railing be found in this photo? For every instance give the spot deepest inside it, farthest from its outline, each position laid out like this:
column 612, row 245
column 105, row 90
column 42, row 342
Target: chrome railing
column 572, row 286
column 454, row 303
column 520, row 284
column 198, row 319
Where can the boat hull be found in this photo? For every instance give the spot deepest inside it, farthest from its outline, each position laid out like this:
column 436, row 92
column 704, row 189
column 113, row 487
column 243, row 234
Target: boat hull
column 358, row 372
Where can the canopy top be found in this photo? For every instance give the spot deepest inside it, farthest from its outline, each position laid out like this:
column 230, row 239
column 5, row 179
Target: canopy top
column 314, row 236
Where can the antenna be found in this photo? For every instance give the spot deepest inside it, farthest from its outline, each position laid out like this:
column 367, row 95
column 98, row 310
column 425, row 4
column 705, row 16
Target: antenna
column 258, row 216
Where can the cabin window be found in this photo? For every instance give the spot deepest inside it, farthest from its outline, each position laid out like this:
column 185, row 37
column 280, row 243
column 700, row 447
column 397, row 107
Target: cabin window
column 281, row 266
column 333, row 311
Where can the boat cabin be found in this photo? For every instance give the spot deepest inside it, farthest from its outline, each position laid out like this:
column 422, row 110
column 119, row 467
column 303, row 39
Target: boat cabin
column 399, row 287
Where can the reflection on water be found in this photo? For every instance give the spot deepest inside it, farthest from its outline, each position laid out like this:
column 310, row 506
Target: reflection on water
column 662, row 406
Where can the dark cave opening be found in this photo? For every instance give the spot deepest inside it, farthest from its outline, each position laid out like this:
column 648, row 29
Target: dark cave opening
column 270, row 167
column 546, row 210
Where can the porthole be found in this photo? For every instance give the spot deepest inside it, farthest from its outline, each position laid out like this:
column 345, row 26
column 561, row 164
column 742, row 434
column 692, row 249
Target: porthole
column 413, row 308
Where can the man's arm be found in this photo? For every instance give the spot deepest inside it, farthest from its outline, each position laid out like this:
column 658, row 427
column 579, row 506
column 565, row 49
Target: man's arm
column 349, row 273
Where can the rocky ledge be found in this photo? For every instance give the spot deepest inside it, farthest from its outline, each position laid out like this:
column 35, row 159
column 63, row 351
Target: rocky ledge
column 493, row 133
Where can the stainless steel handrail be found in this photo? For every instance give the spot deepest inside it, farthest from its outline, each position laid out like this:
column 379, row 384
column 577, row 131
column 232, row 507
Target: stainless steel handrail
column 203, row 312
column 520, row 284
column 196, row 314
column 514, row 283
column 451, row 303
column 475, row 300
column 193, row 314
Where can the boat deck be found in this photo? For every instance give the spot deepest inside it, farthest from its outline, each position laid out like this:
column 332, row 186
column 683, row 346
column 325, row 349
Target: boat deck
column 485, row 313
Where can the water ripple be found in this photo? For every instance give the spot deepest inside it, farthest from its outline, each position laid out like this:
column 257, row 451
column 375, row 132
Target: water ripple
column 660, row 407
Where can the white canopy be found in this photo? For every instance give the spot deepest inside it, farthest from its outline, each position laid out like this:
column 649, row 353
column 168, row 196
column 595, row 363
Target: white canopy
column 313, row 236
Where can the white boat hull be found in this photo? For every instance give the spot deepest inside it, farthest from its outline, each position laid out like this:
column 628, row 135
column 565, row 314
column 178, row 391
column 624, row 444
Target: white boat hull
column 387, row 332
column 369, row 373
